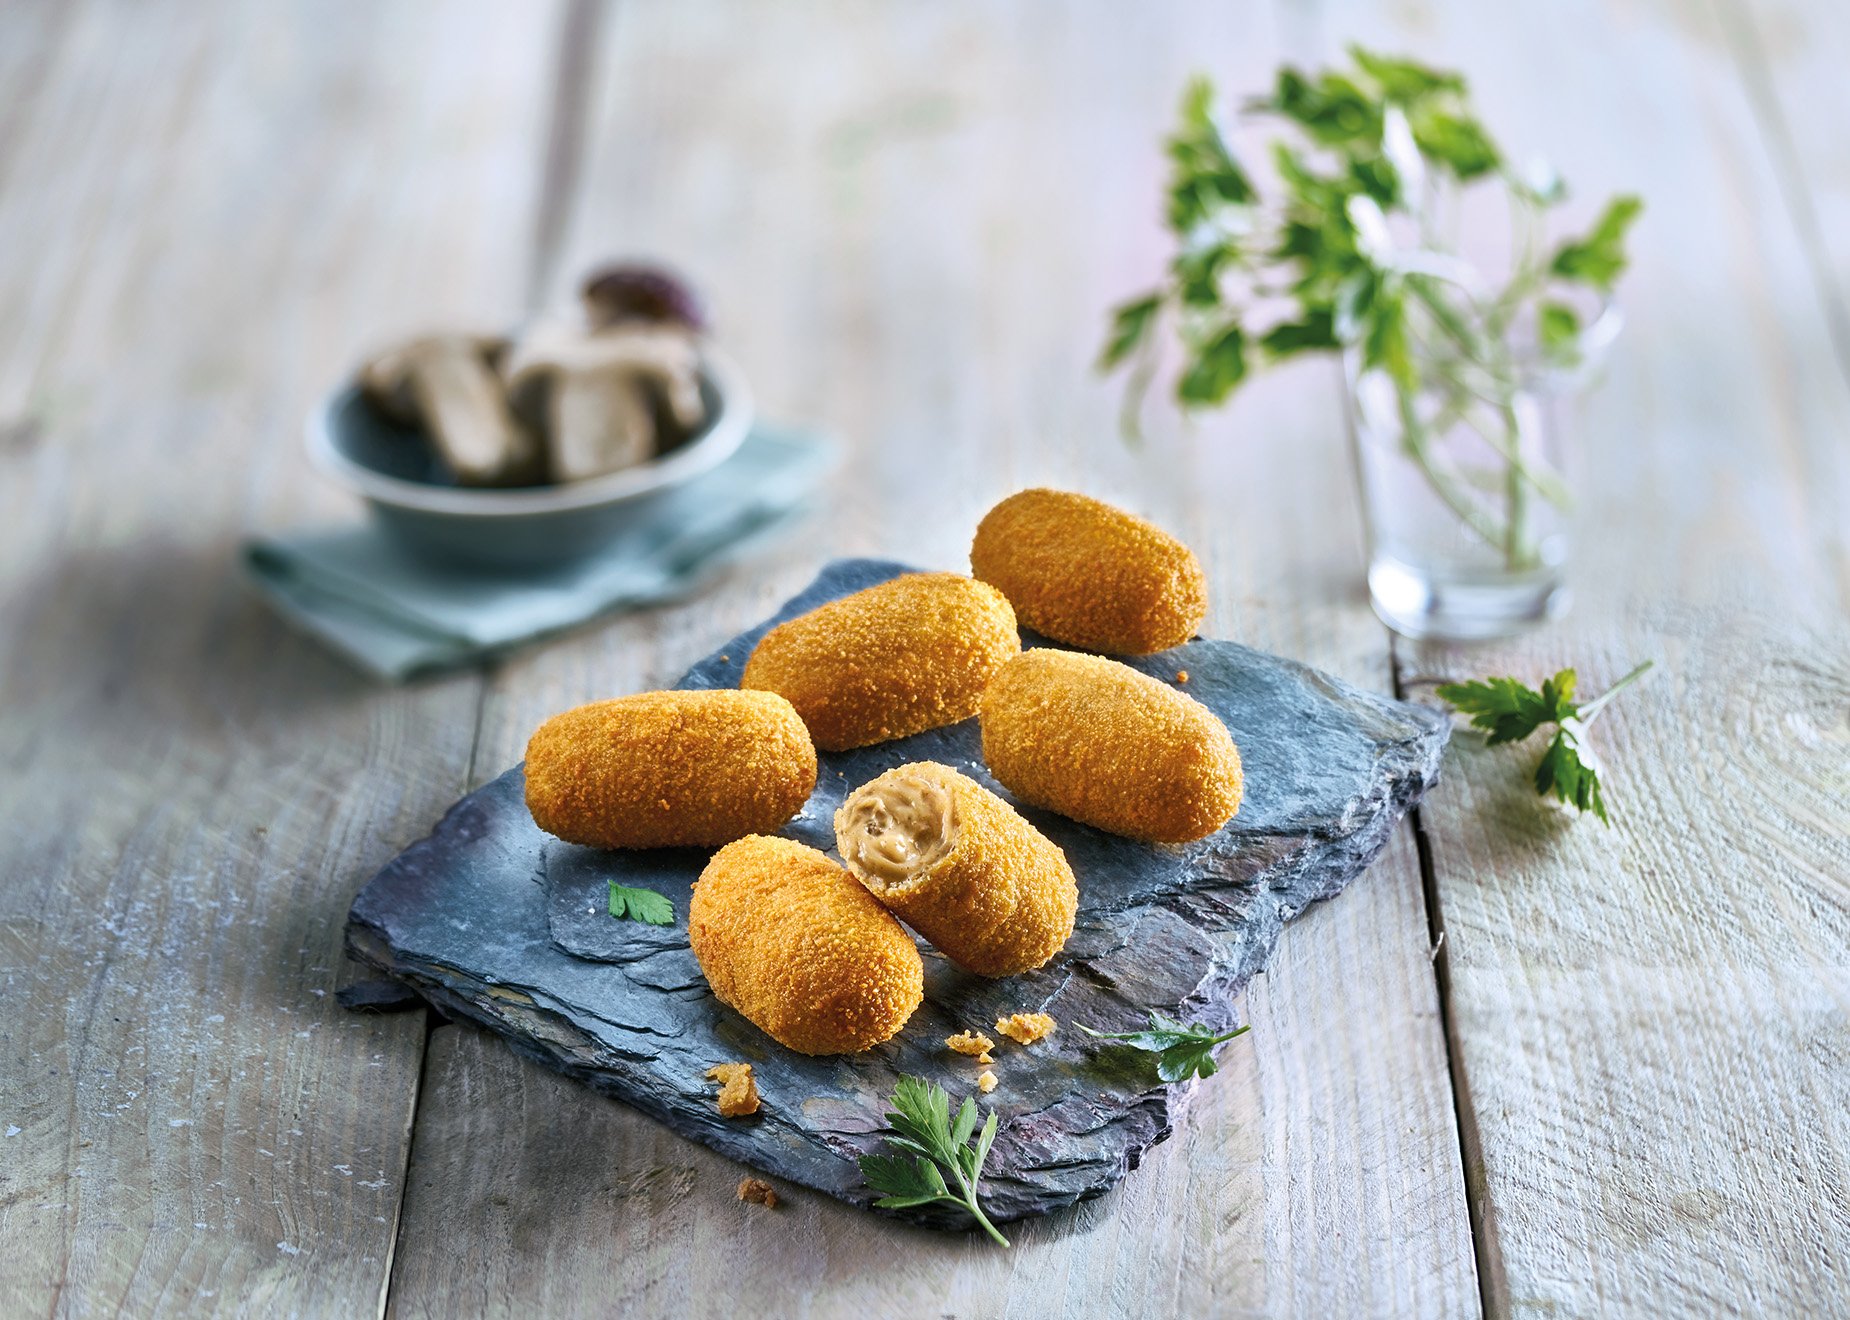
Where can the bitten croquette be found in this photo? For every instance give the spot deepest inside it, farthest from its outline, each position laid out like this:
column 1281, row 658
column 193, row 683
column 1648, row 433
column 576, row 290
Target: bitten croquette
column 1086, row 573
column 1095, row 740
column 670, row 769
column 960, row 866
column 791, row 941
column 895, row 659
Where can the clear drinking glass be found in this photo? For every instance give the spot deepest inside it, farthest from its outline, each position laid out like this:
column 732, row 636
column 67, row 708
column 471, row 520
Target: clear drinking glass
column 1467, row 492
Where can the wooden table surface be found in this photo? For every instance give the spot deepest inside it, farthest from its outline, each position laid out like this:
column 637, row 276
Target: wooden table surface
column 1527, row 1065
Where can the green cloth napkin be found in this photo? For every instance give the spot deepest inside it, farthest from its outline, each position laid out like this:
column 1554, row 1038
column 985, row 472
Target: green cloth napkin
column 397, row 616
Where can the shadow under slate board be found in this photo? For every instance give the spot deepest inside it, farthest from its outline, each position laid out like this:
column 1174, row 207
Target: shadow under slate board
column 493, row 920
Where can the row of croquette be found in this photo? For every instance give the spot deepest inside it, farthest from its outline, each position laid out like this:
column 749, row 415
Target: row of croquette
column 810, row 950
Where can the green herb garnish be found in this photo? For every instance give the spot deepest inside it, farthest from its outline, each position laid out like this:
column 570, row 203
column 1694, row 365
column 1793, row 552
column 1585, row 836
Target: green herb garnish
column 1352, row 246
column 1508, row 711
column 629, row 904
column 926, row 1133
column 1182, row 1050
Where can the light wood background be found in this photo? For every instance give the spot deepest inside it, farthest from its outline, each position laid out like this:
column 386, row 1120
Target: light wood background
column 1618, row 1085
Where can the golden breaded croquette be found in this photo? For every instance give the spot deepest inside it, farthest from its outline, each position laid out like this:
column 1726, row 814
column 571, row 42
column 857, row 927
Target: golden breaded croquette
column 1086, row 573
column 895, row 659
column 670, row 769
column 960, row 866
column 1095, row 740
column 787, row 937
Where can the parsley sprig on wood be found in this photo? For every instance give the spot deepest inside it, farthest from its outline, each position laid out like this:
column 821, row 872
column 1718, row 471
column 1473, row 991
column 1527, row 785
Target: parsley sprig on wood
column 1508, row 711
column 1182, row 1050
column 932, row 1144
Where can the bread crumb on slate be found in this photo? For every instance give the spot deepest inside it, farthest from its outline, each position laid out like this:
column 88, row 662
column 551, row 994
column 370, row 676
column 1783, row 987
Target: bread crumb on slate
column 973, row 1043
column 758, row 1191
column 1181, row 675
column 738, row 1092
column 986, row 1081
column 1026, row 1028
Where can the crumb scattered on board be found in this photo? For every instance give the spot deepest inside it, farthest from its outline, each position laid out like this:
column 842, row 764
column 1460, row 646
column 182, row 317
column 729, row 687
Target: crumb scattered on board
column 1026, row 1028
column 738, row 1092
column 759, row 1191
column 986, row 1081
column 1181, row 675
column 973, row 1043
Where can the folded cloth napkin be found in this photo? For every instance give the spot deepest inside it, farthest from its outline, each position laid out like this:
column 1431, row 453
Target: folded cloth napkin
column 395, row 615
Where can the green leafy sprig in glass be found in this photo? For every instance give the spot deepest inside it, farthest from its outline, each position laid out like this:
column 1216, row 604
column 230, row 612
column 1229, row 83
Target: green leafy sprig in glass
column 1351, row 256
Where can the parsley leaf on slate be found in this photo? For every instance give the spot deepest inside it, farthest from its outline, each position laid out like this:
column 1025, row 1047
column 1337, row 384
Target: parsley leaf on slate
column 931, row 1143
column 1182, row 1050
column 631, row 904
column 1509, row 711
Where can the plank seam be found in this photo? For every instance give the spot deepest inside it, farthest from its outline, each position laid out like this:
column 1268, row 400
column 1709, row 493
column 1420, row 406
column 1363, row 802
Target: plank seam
column 1751, row 63
column 1492, row 1285
column 561, row 159
column 485, row 678
column 432, row 1020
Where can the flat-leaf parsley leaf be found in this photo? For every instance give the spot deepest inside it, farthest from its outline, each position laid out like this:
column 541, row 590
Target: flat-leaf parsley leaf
column 1182, row 1050
column 931, row 1144
column 1509, row 711
column 630, row 904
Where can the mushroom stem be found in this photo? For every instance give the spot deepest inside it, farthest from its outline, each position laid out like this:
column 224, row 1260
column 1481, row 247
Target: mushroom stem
column 594, row 394
column 599, row 422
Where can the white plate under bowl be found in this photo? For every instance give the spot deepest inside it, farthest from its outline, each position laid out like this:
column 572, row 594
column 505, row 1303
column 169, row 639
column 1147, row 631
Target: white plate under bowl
column 391, row 467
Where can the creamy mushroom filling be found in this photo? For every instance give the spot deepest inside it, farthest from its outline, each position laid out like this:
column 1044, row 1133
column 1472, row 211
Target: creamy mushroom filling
column 897, row 828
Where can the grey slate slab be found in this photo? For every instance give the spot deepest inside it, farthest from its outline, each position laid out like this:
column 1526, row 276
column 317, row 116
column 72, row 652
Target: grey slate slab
column 492, row 920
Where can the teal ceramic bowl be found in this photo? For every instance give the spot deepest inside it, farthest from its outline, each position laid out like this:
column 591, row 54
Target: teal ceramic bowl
column 390, row 466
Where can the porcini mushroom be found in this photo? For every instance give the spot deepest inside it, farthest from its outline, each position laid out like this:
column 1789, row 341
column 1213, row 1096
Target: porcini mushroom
column 594, row 394
column 447, row 384
column 632, row 291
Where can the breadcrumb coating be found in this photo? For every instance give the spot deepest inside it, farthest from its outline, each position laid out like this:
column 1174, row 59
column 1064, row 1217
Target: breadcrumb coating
column 759, row 1191
column 1026, row 1028
column 1095, row 740
column 787, row 937
column 985, row 1081
column 898, row 658
column 738, row 1092
column 973, row 1043
column 1089, row 574
column 670, row 769
column 960, row 866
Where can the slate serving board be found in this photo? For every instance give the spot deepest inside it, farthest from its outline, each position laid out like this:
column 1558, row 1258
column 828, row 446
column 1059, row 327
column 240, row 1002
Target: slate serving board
column 493, row 920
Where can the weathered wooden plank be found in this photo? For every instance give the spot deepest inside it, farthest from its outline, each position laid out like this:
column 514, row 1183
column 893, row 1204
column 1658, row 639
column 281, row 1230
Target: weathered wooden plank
column 1650, row 1020
column 912, row 222
column 1791, row 59
column 205, row 213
